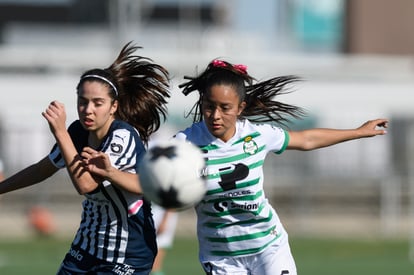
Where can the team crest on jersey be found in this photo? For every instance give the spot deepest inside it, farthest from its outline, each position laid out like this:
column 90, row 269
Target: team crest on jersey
column 116, row 148
column 249, row 146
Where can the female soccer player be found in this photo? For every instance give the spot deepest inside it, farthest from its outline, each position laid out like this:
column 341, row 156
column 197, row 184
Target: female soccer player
column 118, row 108
column 239, row 232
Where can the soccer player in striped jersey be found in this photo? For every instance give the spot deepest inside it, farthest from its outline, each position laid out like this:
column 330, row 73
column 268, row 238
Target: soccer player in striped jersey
column 239, row 232
column 119, row 107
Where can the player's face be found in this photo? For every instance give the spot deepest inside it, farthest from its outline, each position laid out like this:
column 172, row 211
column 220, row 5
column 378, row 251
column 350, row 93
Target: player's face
column 96, row 107
column 221, row 107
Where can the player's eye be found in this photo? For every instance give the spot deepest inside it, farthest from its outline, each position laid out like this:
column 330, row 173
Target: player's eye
column 82, row 102
column 99, row 102
column 208, row 107
column 226, row 108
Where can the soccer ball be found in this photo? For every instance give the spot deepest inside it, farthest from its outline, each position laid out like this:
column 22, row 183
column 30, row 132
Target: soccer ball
column 171, row 174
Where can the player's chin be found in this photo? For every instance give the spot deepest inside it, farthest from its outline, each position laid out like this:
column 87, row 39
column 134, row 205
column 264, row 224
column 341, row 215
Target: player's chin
column 216, row 131
column 87, row 126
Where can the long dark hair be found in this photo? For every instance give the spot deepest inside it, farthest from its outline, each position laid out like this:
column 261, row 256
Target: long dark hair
column 140, row 86
column 259, row 96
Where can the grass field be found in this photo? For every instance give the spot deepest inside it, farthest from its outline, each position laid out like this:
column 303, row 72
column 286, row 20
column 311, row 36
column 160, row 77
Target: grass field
column 313, row 256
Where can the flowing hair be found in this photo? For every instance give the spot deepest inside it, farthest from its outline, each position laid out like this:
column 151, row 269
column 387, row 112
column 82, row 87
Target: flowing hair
column 259, row 96
column 141, row 88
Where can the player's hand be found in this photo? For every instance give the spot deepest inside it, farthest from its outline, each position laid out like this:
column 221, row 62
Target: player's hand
column 55, row 115
column 374, row 127
column 96, row 162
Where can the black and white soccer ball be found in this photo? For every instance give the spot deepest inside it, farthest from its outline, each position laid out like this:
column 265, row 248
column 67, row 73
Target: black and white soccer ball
column 171, row 174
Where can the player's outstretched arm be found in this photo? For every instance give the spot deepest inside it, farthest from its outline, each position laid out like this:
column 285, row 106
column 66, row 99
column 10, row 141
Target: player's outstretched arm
column 29, row 176
column 321, row 137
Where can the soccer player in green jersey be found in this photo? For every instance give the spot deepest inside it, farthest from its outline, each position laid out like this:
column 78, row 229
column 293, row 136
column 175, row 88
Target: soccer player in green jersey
column 235, row 120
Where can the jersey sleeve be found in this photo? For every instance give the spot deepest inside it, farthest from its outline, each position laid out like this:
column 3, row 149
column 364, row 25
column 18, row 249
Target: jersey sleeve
column 56, row 158
column 277, row 138
column 78, row 136
column 180, row 136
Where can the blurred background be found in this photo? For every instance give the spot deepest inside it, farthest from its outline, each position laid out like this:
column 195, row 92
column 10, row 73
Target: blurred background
column 355, row 56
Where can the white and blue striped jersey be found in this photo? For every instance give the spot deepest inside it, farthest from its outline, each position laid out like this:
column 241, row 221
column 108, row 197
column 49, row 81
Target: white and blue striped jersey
column 116, row 225
column 235, row 218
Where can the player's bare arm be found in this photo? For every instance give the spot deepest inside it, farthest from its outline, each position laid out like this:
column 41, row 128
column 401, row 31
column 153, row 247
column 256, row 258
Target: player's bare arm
column 322, row 137
column 82, row 180
column 31, row 175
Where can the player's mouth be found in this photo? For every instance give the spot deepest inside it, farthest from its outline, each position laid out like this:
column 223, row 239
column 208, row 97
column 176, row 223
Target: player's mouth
column 215, row 126
column 88, row 122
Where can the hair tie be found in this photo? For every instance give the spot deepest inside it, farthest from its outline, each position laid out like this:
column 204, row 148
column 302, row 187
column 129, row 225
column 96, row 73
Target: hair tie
column 241, row 68
column 104, row 79
column 221, row 64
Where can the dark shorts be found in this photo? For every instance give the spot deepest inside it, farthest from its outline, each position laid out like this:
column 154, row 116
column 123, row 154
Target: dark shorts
column 77, row 261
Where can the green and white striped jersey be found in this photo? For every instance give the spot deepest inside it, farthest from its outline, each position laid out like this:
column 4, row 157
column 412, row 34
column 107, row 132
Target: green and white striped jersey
column 235, row 217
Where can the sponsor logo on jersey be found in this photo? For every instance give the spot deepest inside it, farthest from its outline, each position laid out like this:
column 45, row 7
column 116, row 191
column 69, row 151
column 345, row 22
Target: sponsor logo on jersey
column 249, row 146
column 245, row 206
column 223, row 206
column 237, row 193
column 123, row 269
column 220, row 206
column 76, row 254
column 116, row 148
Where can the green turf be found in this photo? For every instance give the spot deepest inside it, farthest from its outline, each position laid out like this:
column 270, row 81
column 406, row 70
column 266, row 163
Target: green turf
column 31, row 256
column 379, row 257
column 313, row 256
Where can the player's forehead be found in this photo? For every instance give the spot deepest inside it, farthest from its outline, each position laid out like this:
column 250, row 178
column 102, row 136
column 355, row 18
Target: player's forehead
column 221, row 94
column 94, row 90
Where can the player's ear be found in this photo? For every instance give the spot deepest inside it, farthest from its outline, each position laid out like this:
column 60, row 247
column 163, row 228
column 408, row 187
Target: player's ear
column 242, row 105
column 114, row 107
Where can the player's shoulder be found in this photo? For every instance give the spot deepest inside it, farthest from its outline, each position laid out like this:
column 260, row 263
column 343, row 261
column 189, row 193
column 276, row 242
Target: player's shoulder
column 78, row 134
column 263, row 129
column 261, row 125
column 76, row 126
column 192, row 132
column 122, row 128
column 118, row 125
column 122, row 136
